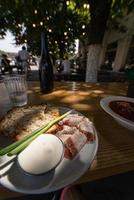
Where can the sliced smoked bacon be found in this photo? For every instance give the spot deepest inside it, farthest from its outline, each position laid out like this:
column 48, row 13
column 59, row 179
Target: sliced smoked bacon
column 76, row 131
column 74, row 143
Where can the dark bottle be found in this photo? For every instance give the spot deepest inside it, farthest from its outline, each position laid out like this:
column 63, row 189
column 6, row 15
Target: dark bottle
column 45, row 67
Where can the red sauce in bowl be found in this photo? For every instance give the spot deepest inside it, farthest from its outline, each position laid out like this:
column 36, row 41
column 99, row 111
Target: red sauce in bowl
column 123, row 108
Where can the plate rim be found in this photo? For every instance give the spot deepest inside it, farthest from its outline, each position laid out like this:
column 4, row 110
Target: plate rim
column 104, row 102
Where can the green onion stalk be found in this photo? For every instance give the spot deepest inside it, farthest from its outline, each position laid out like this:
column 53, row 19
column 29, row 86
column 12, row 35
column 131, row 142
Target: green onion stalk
column 18, row 146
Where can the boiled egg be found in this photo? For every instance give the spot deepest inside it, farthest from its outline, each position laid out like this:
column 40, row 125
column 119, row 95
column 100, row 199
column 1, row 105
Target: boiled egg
column 42, row 155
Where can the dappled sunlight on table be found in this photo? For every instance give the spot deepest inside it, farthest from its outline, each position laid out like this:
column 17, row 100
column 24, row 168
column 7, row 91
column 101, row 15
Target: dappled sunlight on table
column 82, row 107
column 59, row 92
column 72, row 99
column 83, row 93
column 79, row 96
column 98, row 91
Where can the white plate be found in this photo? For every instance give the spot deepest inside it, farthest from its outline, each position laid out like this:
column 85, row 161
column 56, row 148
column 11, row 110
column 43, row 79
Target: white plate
column 121, row 120
column 14, row 178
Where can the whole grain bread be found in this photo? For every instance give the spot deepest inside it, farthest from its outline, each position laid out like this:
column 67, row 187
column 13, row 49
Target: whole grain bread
column 20, row 122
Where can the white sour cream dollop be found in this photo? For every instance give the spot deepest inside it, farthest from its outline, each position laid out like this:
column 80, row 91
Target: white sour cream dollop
column 42, row 155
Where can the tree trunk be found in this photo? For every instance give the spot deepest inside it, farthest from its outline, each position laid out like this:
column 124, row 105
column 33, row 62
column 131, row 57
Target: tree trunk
column 92, row 62
column 82, row 55
column 99, row 14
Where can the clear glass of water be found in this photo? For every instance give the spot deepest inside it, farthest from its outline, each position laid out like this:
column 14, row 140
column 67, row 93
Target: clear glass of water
column 17, row 89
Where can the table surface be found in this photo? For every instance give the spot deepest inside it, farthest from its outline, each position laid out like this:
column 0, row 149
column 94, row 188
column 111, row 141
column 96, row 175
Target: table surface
column 116, row 144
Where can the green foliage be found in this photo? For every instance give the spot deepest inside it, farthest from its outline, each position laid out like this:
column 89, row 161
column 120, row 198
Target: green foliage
column 62, row 20
column 119, row 9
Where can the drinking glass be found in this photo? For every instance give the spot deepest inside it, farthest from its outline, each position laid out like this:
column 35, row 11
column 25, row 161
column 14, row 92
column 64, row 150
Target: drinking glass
column 5, row 103
column 17, row 89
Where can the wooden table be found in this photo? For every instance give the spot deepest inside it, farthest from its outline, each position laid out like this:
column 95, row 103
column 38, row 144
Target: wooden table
column 116, row 144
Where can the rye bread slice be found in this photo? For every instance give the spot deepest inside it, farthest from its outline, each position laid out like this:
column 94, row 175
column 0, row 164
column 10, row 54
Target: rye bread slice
column 20, row 122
